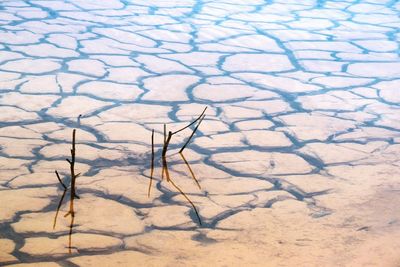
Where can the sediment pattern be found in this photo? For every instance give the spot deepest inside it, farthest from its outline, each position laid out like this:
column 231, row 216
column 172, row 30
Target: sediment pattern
column 297, row 157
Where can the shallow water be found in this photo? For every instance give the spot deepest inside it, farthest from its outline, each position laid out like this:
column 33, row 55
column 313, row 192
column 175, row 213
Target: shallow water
column 296, row 162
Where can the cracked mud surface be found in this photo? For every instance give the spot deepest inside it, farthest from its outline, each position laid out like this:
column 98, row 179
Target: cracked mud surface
column 297, row 157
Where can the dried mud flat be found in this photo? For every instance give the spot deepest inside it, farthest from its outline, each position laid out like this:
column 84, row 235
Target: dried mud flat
column 297, row 159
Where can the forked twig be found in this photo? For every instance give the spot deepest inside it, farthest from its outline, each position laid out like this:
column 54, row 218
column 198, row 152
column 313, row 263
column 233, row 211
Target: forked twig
column 72, row 188
column 165, row 170
column 190, row 124
column 170, row 134
column 72, row 166
column 190, row 137
column 73, row 191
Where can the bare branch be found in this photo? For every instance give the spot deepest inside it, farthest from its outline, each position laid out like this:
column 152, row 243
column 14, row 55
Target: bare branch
column 59, row 179
column 190, row 137
column 190, row 124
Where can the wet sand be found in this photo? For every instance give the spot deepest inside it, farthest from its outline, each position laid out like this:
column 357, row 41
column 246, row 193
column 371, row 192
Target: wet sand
column 296, row 162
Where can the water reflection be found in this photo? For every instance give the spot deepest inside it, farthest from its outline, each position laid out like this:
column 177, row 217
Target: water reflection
column 303, row 131
column 71, row 212
column 165, row 171
column 190, row 170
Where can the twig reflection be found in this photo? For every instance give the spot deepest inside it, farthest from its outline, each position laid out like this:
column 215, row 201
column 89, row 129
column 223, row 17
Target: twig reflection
column 71, row 225
column 188, row 199
column 190, row 170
